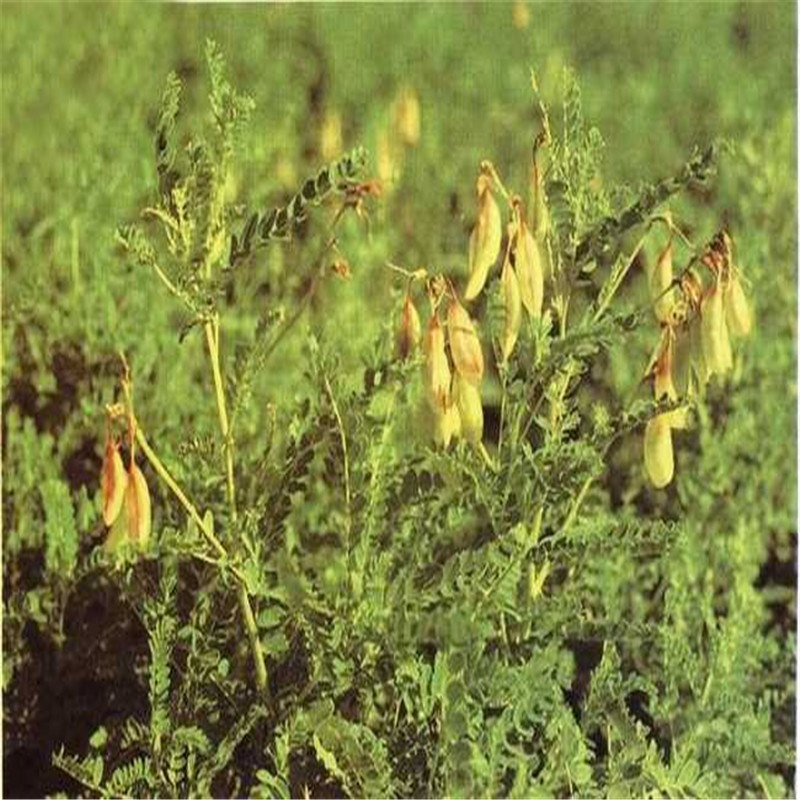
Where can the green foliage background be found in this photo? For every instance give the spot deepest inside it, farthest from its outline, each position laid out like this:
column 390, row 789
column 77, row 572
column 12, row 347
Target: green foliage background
column 661, row 658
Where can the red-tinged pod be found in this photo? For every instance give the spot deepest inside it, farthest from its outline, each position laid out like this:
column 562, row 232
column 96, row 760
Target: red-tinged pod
column 137, row 508
column 410, row 330
column 465, row 346
column 662, row 373
column 436, row 368
column 113, row 480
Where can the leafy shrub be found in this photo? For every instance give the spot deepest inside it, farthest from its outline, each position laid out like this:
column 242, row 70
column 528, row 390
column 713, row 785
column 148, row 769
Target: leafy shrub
column 514, row 614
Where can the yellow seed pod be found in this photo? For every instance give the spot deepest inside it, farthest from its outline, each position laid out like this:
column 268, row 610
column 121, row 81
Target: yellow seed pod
column 696, row 350
column 660, row 281
column 407, row 117
column 446, row 425
column 410, row 330
column 520, row 15
column 512, row 306
column 529, row 271
column 658, row 456
column 137, row 507
column 484, row 241
column 436, row 369
column 467, row 398
column 714, row 333
column 662, row 372
column 737, row 308
column 330, row 136
column 465, row 346
column 540, row 216
column 113, row 481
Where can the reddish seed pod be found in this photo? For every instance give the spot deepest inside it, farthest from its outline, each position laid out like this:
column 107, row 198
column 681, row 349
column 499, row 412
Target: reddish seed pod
column 465, row 346
column 137, row 507
column 410, row 330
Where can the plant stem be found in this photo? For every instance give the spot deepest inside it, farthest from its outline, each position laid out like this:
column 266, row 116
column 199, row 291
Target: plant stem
column 212, row 338
column 190, row 508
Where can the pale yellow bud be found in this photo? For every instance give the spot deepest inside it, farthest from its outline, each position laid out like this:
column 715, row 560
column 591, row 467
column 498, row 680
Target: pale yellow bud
column 465, row 346
column 468, row 401
column 446, row 425
column 484, row 241
column 714, row 333
column 658, row 456
column 660, row 281
column 737, row 308
column 540, row 216
column 436, row 369
column 529, row 271
column 512, row 306
column 410, row 330
column 407, row 117
column 113, row 482
column 330, row 136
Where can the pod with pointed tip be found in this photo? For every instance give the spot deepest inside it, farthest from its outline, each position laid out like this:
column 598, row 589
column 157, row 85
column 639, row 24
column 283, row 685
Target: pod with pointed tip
column 446, row 425
column 113, row 481
column 662, row 373
column 484, row 241
column 737, row 308
column 137, row 507
column 512, row 306
column 465, row 346
column 410, row 330
column 529, row 271
column 436, row 368
column 468, row 401
column 714, row 333
column 658, row 456
column 660, row 282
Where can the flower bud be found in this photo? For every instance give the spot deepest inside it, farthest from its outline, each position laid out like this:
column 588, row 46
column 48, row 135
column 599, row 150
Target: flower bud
column 484, row 241
column 436, row 369
column 540, row 216
column 468, row 401
column 714, row 333
column 512, row 306
column 465, row 346
column 660, row 281
column 658, row 456
column 737, row 308
column 407, row 117
column 113, row 482
column 410, row 330
column 446, row 425
column 529, row 271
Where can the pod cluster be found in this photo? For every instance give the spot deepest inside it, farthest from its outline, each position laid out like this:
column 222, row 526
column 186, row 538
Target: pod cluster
column 697, row 321
column 126, row 500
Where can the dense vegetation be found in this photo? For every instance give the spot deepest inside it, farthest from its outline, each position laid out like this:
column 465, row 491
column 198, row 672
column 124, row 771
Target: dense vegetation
column 248, row 551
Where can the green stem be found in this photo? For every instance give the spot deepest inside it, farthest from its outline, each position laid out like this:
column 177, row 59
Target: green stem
column 212, row 338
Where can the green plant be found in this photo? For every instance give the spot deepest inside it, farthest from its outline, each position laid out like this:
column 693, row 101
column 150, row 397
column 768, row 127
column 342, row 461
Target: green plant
column 436, row 571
